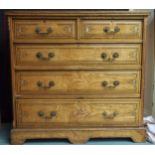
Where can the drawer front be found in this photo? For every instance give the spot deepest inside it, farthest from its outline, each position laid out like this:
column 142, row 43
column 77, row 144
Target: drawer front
column 44, row 29
column 75, row 55
column 106, row 83
column 71, row 112
column 111, row 29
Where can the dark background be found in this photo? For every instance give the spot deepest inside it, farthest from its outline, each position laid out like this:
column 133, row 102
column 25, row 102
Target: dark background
column 5, row 73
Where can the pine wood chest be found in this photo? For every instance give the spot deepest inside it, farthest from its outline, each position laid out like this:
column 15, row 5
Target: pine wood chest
column 77, row 74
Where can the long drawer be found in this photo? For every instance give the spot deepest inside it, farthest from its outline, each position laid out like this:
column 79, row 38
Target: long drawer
column 34, row 30
column 77, row 113
column 117, row 30
column 105, row 83
column 77, row 56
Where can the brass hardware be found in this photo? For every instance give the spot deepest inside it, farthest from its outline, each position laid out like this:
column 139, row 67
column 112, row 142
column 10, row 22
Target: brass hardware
column 103, row 55
column 115, row 84
column 48, row 30
column 106, row 29
column 104, row 83
column 109, row 115
column 51, row 55
column 116, row 29
column 41, row 85
column 115, row 55
column 40, row 56
column 52, row 114
column 40, row 114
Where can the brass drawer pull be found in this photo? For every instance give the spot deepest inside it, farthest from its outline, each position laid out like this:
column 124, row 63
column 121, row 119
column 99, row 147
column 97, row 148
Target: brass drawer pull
column 115, row 84
column 107, row 30
column 40, row 84
column 53, row 113
column 40, row 56
column 115, row 55
column 106, row 58
column 48, row 30
column 109, row 115
column 104, row 83
column 42, row 115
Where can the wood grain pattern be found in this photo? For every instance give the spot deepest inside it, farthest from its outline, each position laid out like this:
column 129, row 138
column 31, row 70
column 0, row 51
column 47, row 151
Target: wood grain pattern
column 72, row 55
column 77, row 135
column 10, row 24
column 63, row 31
column 77, row 74
column 35, row 113
column 95, row 29
column 90, row 82
column 59, row 29
column 78, row 13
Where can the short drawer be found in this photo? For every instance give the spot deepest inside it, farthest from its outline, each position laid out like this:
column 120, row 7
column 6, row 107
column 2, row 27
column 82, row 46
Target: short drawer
column 105, row 83
column 77, row 56
column 77, row 113
column 111, row 30
column 35, row 30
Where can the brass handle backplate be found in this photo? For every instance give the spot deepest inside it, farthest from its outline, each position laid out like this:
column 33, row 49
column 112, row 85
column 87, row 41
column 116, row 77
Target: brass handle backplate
column 47, row 31
column 40, row 84
column 108, row 30
column 114, row 84
column 41, row 114
column 115, row 55
column 50, row 116
column 105, row 56
column 110, row 115
column 40, row 56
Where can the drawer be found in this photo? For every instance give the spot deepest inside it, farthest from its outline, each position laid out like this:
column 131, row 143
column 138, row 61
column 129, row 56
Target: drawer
column 105, row 83
column 34, row 30
column 118, row 30
column 77, row 113
column 77, row 56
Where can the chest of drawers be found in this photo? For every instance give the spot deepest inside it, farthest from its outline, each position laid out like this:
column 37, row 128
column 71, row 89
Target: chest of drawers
column 77, row 74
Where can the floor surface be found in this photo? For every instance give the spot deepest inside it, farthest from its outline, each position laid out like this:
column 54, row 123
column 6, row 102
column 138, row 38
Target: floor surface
column 5, row 132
